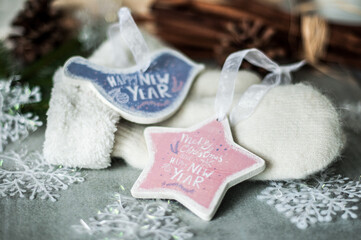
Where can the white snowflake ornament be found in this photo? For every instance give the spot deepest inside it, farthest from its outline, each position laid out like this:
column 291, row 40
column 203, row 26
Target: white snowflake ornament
column 318, row 199
column 15, row 125
column 26, row 174
column 128, row 218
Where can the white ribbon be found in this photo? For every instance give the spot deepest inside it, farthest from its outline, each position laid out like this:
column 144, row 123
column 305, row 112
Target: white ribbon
column 254, row 94
column 132, row 37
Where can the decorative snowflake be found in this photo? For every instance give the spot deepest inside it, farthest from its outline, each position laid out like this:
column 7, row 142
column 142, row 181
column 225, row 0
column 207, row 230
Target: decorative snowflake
column 318, row 199
column 128, row 218
column 15, row 125
column 29, row 174
column 351, row 114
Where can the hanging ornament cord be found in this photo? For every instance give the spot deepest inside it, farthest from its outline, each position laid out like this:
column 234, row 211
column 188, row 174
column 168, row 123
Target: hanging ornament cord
column 253, row 95
column 133, row 38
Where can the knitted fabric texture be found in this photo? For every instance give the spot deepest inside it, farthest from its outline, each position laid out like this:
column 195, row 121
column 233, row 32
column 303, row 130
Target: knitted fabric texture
column 80, row 128
column 295, row 129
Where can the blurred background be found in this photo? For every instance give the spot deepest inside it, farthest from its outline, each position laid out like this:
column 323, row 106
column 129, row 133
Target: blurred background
column 37, row 36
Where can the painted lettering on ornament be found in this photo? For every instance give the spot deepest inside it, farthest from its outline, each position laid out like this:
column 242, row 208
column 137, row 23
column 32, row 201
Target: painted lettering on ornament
column 192, row 162
column 142, row 86
column 200, row 147
column 180, row 186
column 193, row 176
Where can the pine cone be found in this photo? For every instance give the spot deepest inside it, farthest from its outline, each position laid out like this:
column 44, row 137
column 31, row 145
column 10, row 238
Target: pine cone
column 38, row 29
column 249, row 33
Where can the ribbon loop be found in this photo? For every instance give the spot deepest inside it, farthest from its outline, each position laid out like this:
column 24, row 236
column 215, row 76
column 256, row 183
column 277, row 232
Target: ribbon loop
column 119, row 55
column 254, row 94
column 133, row 38
column 285, row 71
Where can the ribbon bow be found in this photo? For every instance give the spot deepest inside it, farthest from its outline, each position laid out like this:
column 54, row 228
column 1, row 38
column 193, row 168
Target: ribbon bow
column 254, row 94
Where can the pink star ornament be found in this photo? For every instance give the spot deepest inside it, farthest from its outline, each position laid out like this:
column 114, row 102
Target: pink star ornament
column 195, row 166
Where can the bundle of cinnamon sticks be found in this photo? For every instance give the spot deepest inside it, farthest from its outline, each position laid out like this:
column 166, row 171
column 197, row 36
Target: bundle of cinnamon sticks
column 205, row 29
